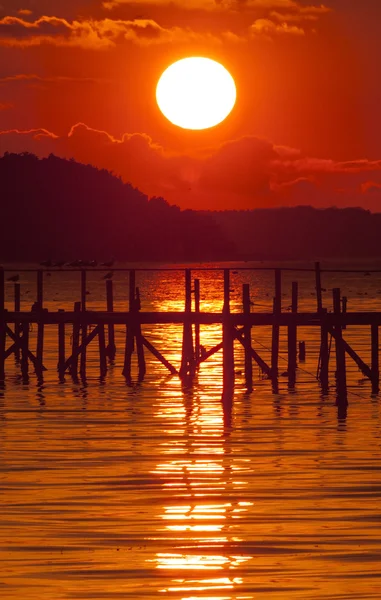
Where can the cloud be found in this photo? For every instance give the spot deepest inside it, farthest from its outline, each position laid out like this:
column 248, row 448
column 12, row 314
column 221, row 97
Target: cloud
column 92, row 34
column 5, row 105
column 269, row 28
column 243, row 173
column 59, row 79
column 24, row 11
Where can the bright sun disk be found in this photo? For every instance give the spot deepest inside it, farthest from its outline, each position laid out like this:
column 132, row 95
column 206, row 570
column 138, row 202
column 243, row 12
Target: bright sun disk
column 196, row 93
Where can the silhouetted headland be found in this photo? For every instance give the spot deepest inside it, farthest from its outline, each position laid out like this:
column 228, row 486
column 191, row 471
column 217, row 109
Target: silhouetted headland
column 59, row 208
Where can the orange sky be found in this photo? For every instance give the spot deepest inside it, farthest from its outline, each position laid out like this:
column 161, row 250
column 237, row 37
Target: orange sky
column 79, row 80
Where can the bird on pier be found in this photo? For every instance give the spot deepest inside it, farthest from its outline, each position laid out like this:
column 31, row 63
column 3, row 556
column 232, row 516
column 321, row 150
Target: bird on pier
column 108, row 275
column 14, row 278
column 108, row 263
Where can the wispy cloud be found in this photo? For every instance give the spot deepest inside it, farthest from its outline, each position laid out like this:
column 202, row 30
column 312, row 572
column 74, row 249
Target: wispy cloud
column 93, row 34
column 56, row 79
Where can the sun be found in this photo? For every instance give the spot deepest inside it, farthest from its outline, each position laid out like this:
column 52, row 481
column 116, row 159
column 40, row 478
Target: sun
column 196, row 93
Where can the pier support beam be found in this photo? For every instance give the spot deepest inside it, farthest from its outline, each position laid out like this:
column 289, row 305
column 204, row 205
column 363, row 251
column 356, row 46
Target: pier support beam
column 227, row 337
column 277, row 307
column 247, row 337
column 188, row 364
column 341, row 378
column 292, row 339
column 111, row 348
column 375, row 359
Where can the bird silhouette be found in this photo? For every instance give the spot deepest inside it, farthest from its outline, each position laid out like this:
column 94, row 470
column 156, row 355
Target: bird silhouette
column 108, row 275
column 14, row 278
column 108, row 263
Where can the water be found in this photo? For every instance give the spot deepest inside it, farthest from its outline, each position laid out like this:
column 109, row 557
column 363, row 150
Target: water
column 153, row 490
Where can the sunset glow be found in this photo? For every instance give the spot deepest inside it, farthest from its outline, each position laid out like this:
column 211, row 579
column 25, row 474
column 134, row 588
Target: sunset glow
column 196, row 93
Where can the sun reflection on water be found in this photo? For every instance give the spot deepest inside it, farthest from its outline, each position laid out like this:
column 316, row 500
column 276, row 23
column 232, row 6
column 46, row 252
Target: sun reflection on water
column 202, row 481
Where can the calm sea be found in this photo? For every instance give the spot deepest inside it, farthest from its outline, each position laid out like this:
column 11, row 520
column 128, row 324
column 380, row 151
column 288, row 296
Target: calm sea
column 156, row 491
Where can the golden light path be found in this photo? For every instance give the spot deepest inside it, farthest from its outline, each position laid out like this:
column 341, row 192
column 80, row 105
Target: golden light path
column 196, row 93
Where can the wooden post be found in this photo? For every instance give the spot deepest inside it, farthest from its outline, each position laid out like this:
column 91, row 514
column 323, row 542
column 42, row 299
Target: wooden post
column 61, row 349
column 40, row 325
column 375, row 359
column 324, row 353
column 2, row 326
column 345, row 303
column 25, row 349
column 82, row 367
column 341, row 379
column 139, row 339
column 277, row 304
column 130, row 329
column 302, row 351
column 102, row 350
column 111, row 348
column 17, row 301
column 227, row 337
column 292, row 339
column 75, row 340
column 247, row 336
column 197, row 311
column 187, row 354
column 319, row 297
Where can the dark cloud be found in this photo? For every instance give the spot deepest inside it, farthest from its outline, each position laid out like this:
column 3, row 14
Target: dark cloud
column 243, row 173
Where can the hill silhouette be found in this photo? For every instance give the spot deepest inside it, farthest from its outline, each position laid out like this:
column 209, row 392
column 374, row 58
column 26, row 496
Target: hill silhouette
column 61, row 209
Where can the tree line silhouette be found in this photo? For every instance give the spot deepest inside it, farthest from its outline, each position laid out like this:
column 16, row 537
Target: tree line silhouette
column 53, row 207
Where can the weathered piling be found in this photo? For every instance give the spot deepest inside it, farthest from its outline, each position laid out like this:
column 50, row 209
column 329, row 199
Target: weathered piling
column 227, row 337
column 344, row 309
column 102, row 350
column 17, row 307
column 292, row 339
column 139, row 338
column 25, row 350
column 375, row 359
column 111, row 348
column 40, row 325
column 341, row 378
column 188, row 364
column 197, row 325
column 82, row 367
column 61, row 349
column 247, row 337
column 129, row 347
column 2, row 326
column 75, row 341
column 323, row 368
column 277, row 307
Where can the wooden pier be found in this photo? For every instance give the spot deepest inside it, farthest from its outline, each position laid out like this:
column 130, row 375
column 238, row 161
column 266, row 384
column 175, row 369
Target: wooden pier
column 87, row 326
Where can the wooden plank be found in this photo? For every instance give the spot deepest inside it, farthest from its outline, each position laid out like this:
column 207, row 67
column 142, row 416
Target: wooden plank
column 159, row 356
column 204, row 356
